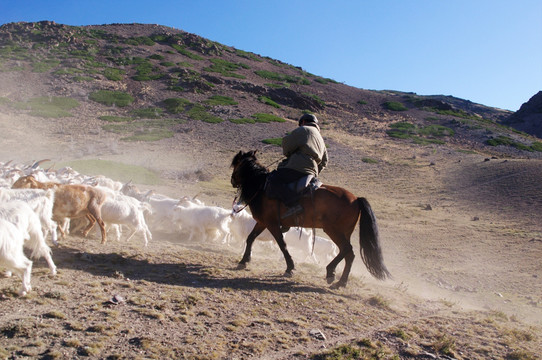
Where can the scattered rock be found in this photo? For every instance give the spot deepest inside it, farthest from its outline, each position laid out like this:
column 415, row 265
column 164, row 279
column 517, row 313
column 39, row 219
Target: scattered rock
column 317, row 334
column 116, row 300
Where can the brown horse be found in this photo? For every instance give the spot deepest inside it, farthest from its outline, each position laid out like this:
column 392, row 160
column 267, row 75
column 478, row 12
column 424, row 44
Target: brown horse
column 331, row 208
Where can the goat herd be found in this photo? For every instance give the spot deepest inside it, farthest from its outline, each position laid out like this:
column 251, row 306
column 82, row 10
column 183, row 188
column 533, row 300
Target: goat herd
column 35, row 203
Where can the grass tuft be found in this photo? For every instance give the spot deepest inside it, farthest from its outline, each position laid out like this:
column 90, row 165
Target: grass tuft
column 112, row 98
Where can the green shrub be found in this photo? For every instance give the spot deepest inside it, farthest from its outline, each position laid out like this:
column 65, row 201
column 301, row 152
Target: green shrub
column 419, row 135
column 156, row 57
column 266, row 118
column 150, row 135
column 44, row 66
column 198, row 112
column 325, row 81
column 317, row 98
column 506, row 141
column 113, row 74
column 220, row 100
column 82, row 78
column 147, row 113
column 270, row 75
column 362, row 102
column 273, row 141
column 110, row 98
column 176, row 105
column 537, row 146
column 67, row 71
column 226, row 68
column 436, row 131
column 50, row 107
column 268, row 101
column 394, row 106
column 247, row 55
column 402, row 130
column 182, row 50
column 369, row 161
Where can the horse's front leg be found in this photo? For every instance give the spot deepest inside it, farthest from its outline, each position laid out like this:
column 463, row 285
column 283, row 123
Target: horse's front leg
column 277, row 234
column 257, row 230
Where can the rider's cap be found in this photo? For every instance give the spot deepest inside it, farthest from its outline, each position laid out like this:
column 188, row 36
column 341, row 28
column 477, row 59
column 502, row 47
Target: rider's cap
column 309, row 118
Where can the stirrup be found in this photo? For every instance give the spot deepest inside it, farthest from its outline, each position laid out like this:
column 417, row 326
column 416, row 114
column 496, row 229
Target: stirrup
column 294, row 210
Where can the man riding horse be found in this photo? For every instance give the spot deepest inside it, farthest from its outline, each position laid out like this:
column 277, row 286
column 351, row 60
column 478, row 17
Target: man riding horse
column 306, row 157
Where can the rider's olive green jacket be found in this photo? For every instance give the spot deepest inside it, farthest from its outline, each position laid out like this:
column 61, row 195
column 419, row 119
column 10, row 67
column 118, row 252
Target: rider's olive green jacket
column 305, row 150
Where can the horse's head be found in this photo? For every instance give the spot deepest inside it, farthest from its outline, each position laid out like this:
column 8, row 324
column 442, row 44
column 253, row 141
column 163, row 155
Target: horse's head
column 237, row 162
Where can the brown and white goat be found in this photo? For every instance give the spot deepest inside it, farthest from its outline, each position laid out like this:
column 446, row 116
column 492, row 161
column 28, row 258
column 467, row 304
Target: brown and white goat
column 72, row 201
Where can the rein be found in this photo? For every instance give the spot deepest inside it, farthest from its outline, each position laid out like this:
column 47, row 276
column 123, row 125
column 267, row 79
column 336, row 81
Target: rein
column 238, row 210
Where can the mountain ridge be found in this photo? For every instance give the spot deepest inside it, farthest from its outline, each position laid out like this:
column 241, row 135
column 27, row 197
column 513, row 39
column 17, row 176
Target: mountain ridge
column 153, row 63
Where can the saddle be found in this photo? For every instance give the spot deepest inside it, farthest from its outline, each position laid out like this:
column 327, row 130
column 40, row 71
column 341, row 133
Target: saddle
column 293, row 191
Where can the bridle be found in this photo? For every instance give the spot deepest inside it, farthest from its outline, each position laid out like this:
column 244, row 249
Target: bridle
column 238, row 186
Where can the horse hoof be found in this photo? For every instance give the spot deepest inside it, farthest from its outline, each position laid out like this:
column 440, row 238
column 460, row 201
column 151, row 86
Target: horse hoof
column 288, row 273
column 241, row 266
column 337, row 285
column 330, row 279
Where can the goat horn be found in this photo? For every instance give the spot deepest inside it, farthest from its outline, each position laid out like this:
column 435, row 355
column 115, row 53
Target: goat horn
column 195, row 196
column 37, row 163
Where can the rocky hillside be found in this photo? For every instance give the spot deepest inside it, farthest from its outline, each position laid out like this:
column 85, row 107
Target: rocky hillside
column 529, row 117
column 142, row 81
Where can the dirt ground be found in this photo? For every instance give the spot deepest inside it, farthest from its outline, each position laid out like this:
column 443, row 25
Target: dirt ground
column 461, row 234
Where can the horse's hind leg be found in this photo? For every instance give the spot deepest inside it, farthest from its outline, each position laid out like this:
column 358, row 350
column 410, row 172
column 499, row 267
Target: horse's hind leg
column 348, row 259
column 346, row 252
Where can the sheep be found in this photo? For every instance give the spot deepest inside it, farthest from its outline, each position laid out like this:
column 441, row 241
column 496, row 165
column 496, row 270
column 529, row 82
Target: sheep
column 202, row 220
column 28, row 223
column 41, row 202
column 12, row 255
column 72, row 201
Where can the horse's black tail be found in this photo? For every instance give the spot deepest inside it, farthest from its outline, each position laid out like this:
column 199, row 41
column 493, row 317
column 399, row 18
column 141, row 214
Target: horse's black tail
column 371, row 253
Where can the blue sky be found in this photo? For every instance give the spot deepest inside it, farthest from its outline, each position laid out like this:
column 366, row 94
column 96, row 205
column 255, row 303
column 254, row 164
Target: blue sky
column 485, row 51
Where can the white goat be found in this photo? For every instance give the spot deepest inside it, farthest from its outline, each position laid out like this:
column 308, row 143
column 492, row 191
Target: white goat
column 325, row 250
column 298, row 240
column 12, row 255
column 203, row 220
column 41, row 201
column 28, row 223
column 125, row 210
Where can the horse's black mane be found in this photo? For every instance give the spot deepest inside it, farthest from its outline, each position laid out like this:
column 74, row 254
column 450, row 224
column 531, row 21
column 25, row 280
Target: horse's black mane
column 252, row 176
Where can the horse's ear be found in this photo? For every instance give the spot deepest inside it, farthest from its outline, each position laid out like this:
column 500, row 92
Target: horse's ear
column 253, row 153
